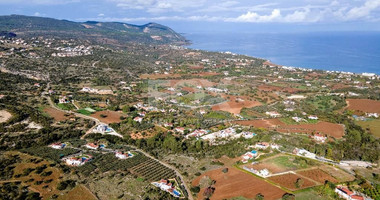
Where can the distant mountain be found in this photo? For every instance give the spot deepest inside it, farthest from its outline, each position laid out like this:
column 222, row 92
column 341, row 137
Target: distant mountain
column 104, row 32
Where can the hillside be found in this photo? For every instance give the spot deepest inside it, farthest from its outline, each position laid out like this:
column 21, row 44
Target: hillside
column 102, row 32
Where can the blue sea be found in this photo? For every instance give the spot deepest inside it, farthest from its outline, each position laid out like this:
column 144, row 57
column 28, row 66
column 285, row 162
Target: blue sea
column 339, row 51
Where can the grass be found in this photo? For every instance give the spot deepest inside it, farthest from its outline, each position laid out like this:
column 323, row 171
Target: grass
column 79, row 192
column 373, row 125
column 218, row 115
column 65, row 106
column 283, row 161
column 308, row 195
column 84, row 112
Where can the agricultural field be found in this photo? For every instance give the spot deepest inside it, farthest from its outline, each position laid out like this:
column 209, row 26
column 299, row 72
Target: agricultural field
column 373, row 125
column 235, row 183
column 152, row 170
column 363, row 105
column 56, row 114
column 280, row 163
column 292, row 181
column 108, row 116
column 37, row 174
column 338, row 174
column 80, row 192
column 331, row 129
column 235, row 104
column 317, row 175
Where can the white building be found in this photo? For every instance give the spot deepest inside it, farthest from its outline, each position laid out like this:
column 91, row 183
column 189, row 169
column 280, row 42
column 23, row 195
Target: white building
column 312, row 117
column 273, row 114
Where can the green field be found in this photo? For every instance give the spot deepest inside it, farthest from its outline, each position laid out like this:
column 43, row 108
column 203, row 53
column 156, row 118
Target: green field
column 84, row 112
column 373, row 125
column 65, row 106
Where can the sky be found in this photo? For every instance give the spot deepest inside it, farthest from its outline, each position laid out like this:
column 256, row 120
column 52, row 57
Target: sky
column 212, row 15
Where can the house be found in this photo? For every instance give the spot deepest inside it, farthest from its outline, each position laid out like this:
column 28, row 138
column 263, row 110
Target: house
column 262, row 145
column 202, row 112
column 180, row 130
column 138, row 119
column 319, row 138
column 92, row 146
column 249, row 156
column 297, row 119
column 122, row 155
column 64, row 99
column 248, row 135
column 168, row 125
column 1, row 96
column 37, row 85
column 74, row 161
column 58, row 145
column 303, row 152
column 347, row 194
column 289, row 109
column 102, row 128
column 78, row 160
column 197, row 133
column 167, row 186
column 374, row 115
column 273, row 114
column 263, row 173
column 312, row 117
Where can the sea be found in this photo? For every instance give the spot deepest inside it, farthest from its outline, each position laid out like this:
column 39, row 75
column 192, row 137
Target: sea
column 356, row 52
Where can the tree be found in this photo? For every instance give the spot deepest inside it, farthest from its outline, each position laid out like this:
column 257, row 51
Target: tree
column 288, row 196
column 259, row 196
column 299, row 182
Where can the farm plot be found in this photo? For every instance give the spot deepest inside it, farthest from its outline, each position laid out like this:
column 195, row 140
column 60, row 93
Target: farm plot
column 153, row 170
column 317, row 175
column 280, row 163
column 363, row 105
column 338, row 174
column 235, row 104
column 56, row 114
column 292, row 181
column 236, row 183
column 108, row 116
column 331, row 129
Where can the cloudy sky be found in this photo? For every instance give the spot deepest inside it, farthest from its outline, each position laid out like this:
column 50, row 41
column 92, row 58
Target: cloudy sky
column 224, row 14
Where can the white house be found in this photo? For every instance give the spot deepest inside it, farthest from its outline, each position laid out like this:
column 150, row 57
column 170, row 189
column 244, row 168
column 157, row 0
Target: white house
column 312, row 117
column 374, row 115
column 58, row 145
column 273, row 114
column 262, row 145
column 303, row 152
column 180, row 130
column 138, row 119
column 73, row 161
column 249, row 156
column 319, row 138
column 92, row 146
column 122, row 155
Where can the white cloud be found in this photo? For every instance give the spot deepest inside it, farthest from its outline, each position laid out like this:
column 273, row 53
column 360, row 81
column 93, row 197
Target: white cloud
column 364, row 10
column 157, row 6
column 100, row 15
column 255, row 17
column 39, row 2
column 37, row 14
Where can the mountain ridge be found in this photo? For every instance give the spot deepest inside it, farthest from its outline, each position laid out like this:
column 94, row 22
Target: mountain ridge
column 32, row 26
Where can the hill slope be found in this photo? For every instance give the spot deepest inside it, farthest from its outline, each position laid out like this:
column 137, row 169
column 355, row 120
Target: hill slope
column 105, row 32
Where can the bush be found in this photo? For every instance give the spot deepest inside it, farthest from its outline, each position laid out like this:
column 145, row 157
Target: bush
column 195, row 189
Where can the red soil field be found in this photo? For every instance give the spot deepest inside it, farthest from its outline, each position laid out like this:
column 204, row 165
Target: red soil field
column 272, row 168
column 363, row 105
column 159, row 76
column 317, row 175
column 56, row 114
column 289, row 180
column 234, row 106
column 112, row 116
column 334, row 130
column 236, row 183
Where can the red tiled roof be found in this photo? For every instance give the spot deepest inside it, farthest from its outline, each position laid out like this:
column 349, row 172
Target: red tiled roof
column 346, row 190
column 357, row 197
